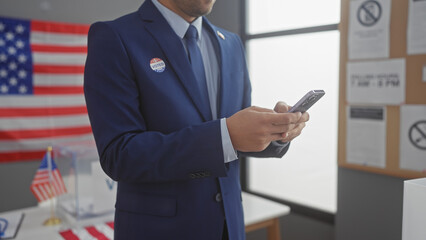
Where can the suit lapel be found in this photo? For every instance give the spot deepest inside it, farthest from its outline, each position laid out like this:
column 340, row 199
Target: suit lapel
column 175, row 53
column 225, row 90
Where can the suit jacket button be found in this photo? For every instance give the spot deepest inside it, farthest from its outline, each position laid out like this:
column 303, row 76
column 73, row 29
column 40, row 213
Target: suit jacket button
column 218, row 197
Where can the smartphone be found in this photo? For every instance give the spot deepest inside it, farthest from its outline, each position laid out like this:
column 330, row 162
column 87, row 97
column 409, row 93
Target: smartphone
column 307, row 101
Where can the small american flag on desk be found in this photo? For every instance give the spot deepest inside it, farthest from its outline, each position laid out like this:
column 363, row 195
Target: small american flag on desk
column 41, row 87
column 47, row 182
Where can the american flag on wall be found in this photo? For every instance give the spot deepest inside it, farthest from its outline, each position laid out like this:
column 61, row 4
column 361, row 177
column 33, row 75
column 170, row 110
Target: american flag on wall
column 47, row 182
column 41, row 87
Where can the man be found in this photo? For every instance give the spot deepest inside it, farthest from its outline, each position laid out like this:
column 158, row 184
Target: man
column 168, row 96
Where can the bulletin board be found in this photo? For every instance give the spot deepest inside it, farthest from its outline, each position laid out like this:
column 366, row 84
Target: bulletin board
column 415, row 90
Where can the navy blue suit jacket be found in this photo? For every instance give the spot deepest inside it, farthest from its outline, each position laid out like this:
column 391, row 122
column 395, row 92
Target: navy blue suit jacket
column 153, row 131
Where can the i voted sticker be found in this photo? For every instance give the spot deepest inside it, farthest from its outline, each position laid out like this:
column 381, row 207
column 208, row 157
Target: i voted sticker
column 157, row 65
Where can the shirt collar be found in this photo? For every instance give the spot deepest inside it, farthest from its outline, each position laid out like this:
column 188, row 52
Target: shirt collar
column 178, row 24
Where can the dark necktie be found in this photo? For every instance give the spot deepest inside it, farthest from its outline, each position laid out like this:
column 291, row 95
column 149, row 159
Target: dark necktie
column 197, row 64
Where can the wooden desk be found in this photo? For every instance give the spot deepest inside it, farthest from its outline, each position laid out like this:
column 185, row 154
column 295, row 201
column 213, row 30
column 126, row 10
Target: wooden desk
column 258, row 213
column 263, row 213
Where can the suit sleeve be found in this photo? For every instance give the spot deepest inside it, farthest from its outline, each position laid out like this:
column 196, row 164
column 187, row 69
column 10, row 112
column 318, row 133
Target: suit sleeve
column 275, row 149
column 128, row 151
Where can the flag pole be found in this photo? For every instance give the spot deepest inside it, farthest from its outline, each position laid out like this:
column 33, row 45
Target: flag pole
column 53, row 220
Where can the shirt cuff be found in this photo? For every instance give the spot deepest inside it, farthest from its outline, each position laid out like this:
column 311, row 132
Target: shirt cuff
column 283, row 144
column 229, row 153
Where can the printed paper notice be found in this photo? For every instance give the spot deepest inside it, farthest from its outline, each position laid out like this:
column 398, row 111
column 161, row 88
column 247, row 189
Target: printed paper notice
column 424, row 73
column 369, row 24
column 366, row 136
column 412, row 155
column 416, row 30
column 377, row 82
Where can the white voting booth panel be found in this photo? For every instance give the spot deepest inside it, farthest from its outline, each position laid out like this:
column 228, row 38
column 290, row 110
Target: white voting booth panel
column 414, row 211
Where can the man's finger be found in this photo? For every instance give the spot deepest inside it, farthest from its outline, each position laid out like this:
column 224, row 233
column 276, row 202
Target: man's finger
column 260, row 109
column 296, row 131
column 282, row 128
column 276, row 137
column 282, row 118
column 281, row 107
column 305, row 117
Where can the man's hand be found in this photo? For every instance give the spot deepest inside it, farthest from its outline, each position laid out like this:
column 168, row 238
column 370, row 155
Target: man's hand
column 282, row 107
column 252, row 129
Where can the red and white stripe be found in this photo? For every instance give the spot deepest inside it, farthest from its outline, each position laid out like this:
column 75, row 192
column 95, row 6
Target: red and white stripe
column 96, row 232
column 57, row 110
column 43, row 189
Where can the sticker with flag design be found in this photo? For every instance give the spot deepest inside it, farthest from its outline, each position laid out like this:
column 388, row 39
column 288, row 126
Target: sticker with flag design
column 157, row 64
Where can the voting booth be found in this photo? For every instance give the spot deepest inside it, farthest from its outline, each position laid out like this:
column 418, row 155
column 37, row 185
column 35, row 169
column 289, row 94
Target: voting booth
column 90, row 192
column 414, row 211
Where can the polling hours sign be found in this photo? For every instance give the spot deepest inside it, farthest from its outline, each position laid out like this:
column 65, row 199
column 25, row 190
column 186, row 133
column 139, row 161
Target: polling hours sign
column 376, row 82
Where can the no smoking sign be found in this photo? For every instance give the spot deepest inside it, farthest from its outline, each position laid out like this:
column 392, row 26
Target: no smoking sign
column 369, row 13
column 417, row 134
column 413, row 138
